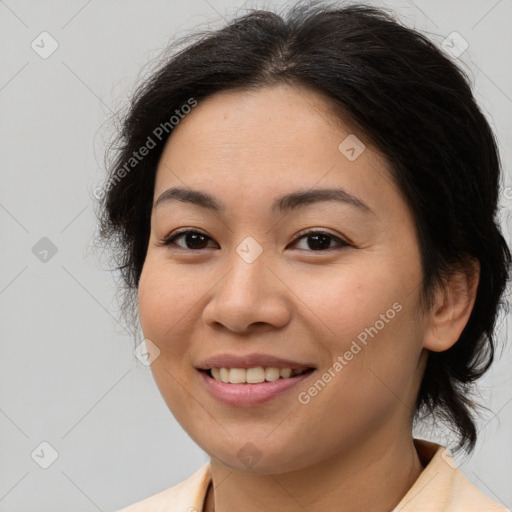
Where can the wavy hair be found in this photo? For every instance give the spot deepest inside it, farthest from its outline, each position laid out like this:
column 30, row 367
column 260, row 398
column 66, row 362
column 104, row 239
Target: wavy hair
column 411, row 101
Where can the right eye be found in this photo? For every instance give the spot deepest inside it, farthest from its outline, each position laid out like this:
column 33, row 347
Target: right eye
column 193, row 240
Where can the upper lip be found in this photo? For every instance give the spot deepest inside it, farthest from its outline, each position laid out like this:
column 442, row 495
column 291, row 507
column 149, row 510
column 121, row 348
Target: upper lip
column 250, row 361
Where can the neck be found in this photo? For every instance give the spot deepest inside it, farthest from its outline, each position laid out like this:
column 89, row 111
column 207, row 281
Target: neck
column 373, row 478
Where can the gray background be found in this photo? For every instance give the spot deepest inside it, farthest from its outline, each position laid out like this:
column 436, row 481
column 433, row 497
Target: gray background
column 68, row 373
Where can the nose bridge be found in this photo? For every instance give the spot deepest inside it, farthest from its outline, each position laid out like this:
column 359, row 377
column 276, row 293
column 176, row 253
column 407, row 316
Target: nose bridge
column 246, row 295
column 246, row 278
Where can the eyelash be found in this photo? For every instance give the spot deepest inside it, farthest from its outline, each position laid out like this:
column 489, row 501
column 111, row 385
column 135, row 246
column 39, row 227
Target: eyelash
column 169, row 241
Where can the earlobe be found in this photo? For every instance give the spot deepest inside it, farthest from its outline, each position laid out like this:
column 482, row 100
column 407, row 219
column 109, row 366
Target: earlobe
column 453, row 305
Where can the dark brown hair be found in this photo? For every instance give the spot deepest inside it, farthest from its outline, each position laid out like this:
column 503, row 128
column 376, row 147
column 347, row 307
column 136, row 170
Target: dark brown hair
column 411, row 101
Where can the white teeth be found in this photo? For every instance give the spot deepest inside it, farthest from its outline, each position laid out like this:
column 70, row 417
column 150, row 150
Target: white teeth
column 271, row 374
column 285, row 372
column 236, row 375
column 253, row 375
column 224, row 375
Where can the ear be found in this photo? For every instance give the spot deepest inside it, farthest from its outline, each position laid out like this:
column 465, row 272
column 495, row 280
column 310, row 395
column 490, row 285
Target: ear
column 453, row 305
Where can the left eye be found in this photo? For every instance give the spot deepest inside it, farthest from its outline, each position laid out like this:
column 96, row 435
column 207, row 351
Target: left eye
column 318, row 240
column 195, row 240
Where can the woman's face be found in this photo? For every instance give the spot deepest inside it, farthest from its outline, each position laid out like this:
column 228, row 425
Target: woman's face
column 251, row 289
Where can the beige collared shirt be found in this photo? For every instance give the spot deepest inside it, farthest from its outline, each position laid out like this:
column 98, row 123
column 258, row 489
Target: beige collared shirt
column 441, row 487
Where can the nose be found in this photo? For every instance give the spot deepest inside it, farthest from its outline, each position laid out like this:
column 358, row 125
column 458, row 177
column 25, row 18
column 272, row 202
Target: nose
column 250, row 296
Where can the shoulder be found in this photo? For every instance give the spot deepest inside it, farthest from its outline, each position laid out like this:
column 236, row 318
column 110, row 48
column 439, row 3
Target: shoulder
column 469, row 498
column 443, row 487
column 186, row 496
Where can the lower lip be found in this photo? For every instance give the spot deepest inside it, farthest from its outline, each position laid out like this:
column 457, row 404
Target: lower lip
column 247, row 395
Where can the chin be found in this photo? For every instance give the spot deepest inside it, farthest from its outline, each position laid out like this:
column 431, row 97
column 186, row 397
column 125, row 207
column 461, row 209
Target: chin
column 256, row 458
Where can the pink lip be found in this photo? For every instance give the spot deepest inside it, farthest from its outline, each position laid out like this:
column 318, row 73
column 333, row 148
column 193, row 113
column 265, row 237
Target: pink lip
column 246, row 395
column 249, row 361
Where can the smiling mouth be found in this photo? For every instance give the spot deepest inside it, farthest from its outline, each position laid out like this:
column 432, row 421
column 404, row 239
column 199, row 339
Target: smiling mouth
column 254, row 375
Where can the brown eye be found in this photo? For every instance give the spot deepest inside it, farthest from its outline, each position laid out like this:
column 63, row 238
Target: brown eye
column 192, row 240
column 317, row 241
column 320, row 241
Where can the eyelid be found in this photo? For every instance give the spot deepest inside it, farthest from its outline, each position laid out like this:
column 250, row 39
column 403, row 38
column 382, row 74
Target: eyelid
column 168, row 240
column 321, row 231
column 342, row 241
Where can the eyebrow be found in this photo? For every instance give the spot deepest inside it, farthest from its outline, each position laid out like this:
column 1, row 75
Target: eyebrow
column 283, row 204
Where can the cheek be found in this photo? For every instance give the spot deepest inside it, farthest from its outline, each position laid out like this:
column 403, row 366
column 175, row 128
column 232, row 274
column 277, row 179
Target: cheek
column 345, row 299
column 367, row 316
column 166, row 301
column 372, row 291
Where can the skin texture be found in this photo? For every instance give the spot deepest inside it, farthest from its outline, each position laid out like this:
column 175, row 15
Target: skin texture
column 350, row 447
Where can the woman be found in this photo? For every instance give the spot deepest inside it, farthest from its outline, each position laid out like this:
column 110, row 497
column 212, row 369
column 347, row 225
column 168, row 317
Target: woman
column 304, row 209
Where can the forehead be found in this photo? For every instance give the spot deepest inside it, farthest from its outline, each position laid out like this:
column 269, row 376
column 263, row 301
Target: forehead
column 244, row 118
column 267, row 140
